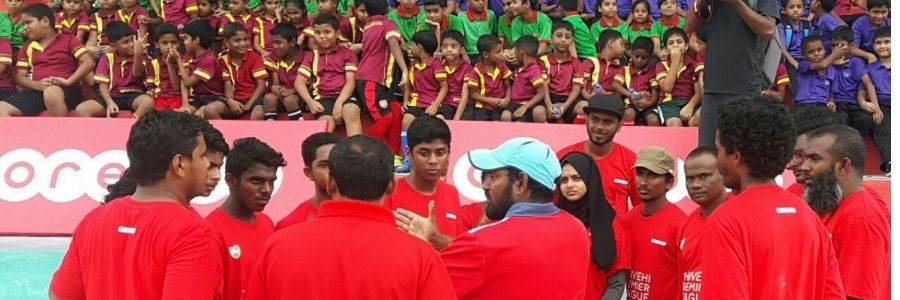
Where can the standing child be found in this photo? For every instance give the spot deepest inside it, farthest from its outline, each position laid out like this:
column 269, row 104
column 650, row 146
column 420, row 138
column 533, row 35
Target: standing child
column 565, row 79
column 134, row 15
column 605, row 73
column 15, row 13
column 7, row 69
column 678, row 80
column 245, row 77
column 880, row 72
column 437, row 20
column 529, row 22
column 330, row 71
column 815, row 74
column 824, row 22
column 609, row 19
column 426, row 90
column 178, row 12
column 793, row 29
column 641, row 23
column 163, row 81
column 407, row 16
column 262, row 38
column 50, row 79
column 490, row 84
column 97, row 41
column 640, row 79
column 477, row 21
column 864, row 28
column 290, row 57
column 670, row 19
column 238, row 13
column 530, row 100
column 458, row 70
column 72, row 20
column 584, row 45
column 203, row 78
column 850, row 78
column 121, row 76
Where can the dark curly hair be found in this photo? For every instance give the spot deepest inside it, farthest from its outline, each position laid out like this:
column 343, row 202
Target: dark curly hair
column 248, row 151
column 760, row 129
column 312, row 143
column 426, row 129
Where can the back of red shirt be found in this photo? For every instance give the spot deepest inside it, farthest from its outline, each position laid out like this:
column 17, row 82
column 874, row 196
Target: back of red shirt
column 243, row 242
column 767, row 244
column 377, row 63
column 446, row 205
column 521, row 257
column 861, row 232
column 654, row 262
column 141, row 250
column 304, row 212
column 618, row 175
column 352, row 250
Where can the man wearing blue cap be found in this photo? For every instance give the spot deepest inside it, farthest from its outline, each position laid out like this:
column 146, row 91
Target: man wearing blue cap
column 532, row 251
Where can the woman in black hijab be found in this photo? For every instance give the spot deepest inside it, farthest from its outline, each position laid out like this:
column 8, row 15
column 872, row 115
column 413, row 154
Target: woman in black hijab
column 581, row 194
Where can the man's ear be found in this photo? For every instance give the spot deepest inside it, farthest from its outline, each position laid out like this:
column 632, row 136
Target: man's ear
column 391, row 187
column 231, row 180
column 307, row 171
column 331, row 188
column 843, row 167
column 178, row 165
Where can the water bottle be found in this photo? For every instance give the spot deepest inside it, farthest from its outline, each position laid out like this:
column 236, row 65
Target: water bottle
column 598, row 89
column 634, row 94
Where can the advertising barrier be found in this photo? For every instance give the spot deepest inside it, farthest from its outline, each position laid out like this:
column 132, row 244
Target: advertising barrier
column 55, row 170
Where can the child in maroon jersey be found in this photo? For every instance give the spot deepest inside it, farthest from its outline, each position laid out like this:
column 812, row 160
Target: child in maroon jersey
column 73, row 20
column 206, row 11
column 330, row 70
column 204, row 77
column 262, row 39
column 286, row 68
column 245, row 78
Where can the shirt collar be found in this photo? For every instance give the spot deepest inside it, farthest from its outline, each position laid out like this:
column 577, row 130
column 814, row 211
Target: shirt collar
column 552, row 58
column 355, row 208
column 606, row 24
column 475, row 17
column 670, row 21
column 530, row 18
column 407, row 13
column 641, row 27
column 525, row 209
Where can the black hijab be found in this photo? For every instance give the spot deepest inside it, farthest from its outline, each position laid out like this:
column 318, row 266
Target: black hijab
column 593, row 209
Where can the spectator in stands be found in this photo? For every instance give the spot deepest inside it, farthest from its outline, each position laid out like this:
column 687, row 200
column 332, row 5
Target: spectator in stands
column 678, row 78
column 530, row 22
column 519, row 180
column 163, row 81
column 50, row 79
column 768, row 218
column 73, row 20
column 607, row 19
column 330, row 71
column 564, row 75
column 859, row 225
column 7, row 67
column 437, row 20
column 641, row 23
column 121, row 75
column 288, row 60
column 490, row 84
column 17, row 37
column 245, row 78
column 793, row 28
column 584, row 46
column 134, row 15
column 846, row 86
column 207, row 12
column 581, row 195
column 605, row 74
column 530, row 100
column 670, row 19
column 456, row 106
column 880, row 73
column 654, row 227
column 250, row 172
column 477, row 21
column 329, row 7
column 815, row 74
column 166, row 150
column 640, row 79
column 238, row 12
column 737, row 35
column 295, row 14
column 604, row 120
column 824, row 21
column 315, row 151
column 864, row 28
column 706, row 188
column 504, row 30
column 262, row 32
column 407, row 16
column 352, row 231
column 178, row 12
column 203, row 78
column 99, row 21
column 428, row 88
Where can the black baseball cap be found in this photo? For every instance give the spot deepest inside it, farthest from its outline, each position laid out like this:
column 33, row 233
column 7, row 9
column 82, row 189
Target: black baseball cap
column 606, row 103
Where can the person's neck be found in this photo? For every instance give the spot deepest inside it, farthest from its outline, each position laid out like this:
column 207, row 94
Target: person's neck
column 850, row 186
column 291, row 56
column 421, row 185
column 197, row 52
column 48, row 38
column 886, row 61
column 561, row 54
column 107, row 11
column 476, row 11
column 487, row 63
column 453, row 63
column 160, row 192
column 527, row 60
column 123, row 55
column 424, row 58
column 709, row 208
column 598, row 151
column 652, row 207
column 318, row 197
column 234, row 54
column 749, row 182
column 70, row 16
column 609, row 19
column 795, row 23
column 129, row 9
column 527, row 13
column 606, row 55
column 235, row 209
column 271, row 15
column 669, row 17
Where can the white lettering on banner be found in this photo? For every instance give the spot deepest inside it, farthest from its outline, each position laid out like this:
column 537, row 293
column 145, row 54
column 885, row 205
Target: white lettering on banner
column 69, row 174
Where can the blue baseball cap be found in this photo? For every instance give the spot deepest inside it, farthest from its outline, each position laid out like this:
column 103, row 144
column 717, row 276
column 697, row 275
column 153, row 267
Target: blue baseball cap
column 533, row 157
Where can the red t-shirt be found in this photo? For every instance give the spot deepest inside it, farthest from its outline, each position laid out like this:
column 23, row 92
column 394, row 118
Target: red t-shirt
column 7, row 82
column 132, row 19
column 352, row 250
column 158, row 76
column 141, row 250
column 59, row 58
column 471, row 215
column 261, row 29
column 456, row 81
column 287, row 70
column 597, row 276
column 243, row 76
column 562, row 75
column 767, row 244
column 377, row 63
column 689, row 248
column 205, row 67
column 526, row 81
column 654, row 263
column 521, row 257
column 425, row 78
column 177, row 12
column 618, row 175
column 781, row 78
column 640, row 80
column 248, row 21
column 115, row 71
column 446, row 205
column 304, row 212
column 327, row 71
column 243, row 242
column 597, row 69
column 861, row 232
column 71, row 26
column 489, row 83
column 99, row 21
column 684, row 82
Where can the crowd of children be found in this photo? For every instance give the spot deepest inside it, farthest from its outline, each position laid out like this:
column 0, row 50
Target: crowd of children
column 538, row 61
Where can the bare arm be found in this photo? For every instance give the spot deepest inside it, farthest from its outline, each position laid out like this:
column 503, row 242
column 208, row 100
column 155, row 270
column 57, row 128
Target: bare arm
column 537, row 98
column 463, row 103
column 394, row 46
column 85, row 65
column 762, row 25
column 347, row 90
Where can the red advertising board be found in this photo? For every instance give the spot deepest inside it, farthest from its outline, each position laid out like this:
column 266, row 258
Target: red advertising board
column 54, row 170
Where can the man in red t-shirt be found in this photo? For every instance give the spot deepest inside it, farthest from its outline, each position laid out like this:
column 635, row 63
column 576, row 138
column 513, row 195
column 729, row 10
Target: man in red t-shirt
column 352, row 250
column 422, row 192
column 806, row 119
column 250, row 172
column 604, row 120
column 151, row 245
column 533, row 250
column 859, row 225
column 315, row 150
column 706, row 188
column 764, row 243
column 654, row 228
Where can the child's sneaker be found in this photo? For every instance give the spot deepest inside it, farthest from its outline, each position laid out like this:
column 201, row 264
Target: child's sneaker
column 404, row 166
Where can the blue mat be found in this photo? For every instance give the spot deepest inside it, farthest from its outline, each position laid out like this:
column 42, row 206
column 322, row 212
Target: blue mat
column 26, row 275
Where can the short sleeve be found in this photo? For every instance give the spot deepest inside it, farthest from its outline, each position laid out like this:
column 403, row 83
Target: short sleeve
column 465, row 262
column 195, row 268
column 305, row 69
column 67, row 282
column 546, row 27
column 204, row 69
column 258, row 68
column 859, row 68
column 657, row 30
column 862, row 251
column 5, row 52
column 223, row 67
column 76, row 48
column 507, row 73
column 350, row 63
column 6, row 27
column 470, row 79
column 190, row 6
column 440, row 73
column 804, row 66
column 23, row 61
column 84, row 23
column 857, row 33
column 101, row 74
column 660, row 71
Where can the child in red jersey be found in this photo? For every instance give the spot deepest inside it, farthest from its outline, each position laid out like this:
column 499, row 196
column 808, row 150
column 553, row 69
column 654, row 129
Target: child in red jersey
column 530, row 100
column 245, row 78
column 73, row 20
column 163, row 82
column 204, row 77
column 262, row 38
column 284, row 74
column 238, row 12
column 206, row 10
column 134, row 15
column 490, row 83
column 456, row 106
column 97, row 42
column 330, row 71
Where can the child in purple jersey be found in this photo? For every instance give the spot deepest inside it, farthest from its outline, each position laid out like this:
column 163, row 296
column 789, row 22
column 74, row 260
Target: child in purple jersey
column 850, row 77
